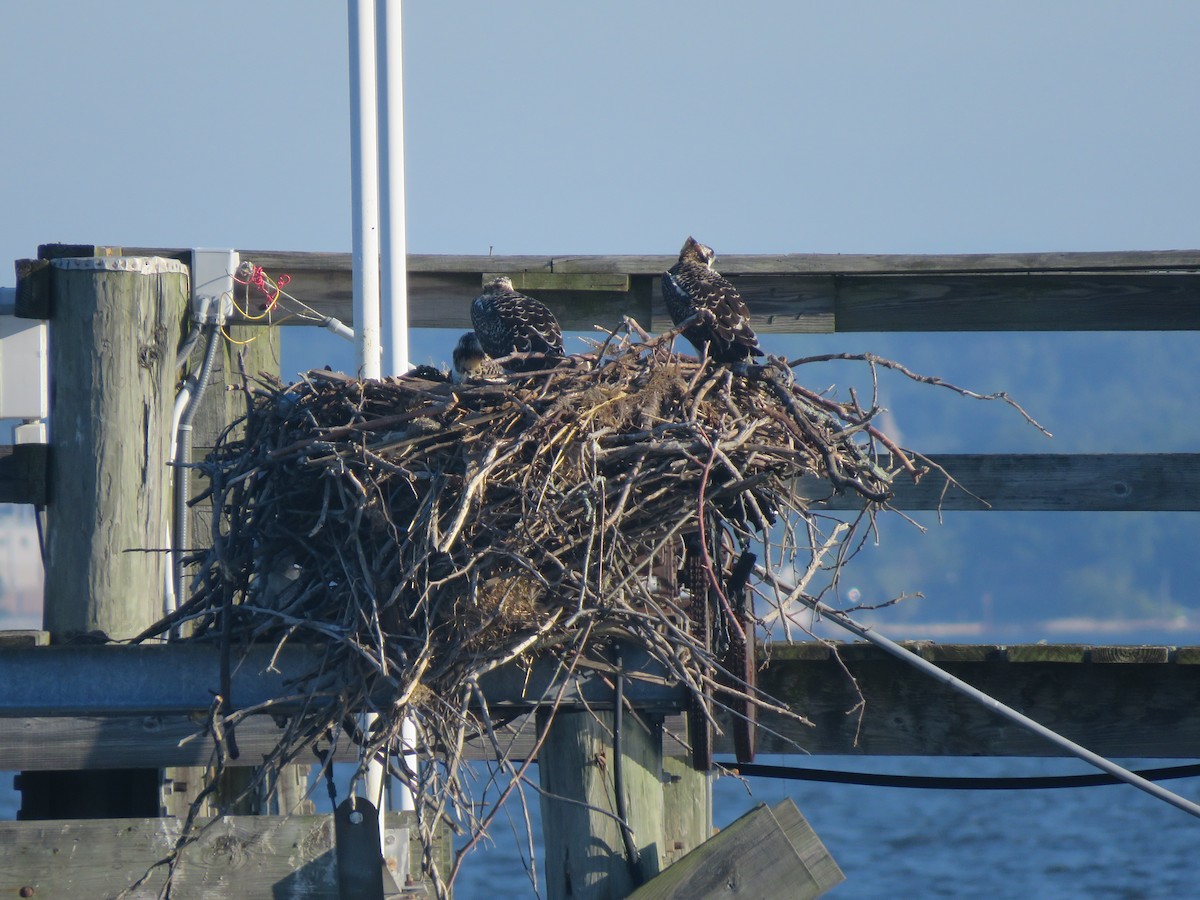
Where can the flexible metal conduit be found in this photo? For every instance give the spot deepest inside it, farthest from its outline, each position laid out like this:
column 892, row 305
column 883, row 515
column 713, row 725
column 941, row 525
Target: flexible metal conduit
column 183, row 460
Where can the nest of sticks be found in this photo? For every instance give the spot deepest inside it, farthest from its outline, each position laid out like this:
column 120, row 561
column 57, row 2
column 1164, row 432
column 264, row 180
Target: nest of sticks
column 424, row 533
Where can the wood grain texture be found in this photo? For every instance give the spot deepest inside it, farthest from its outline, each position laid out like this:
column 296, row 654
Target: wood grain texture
column 1124, row 702
column 249, row 857
column 755, row 856
column 1132, row 709
column 687, row 805
column 1117, row 482
column 112, row 352
column 798, row 293
column 584, row 856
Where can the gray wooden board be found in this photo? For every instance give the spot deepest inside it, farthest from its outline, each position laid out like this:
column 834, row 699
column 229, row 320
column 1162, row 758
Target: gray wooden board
column 248, row 857
column 757, row 856
column 1046, row 482
column 183, row 677
column 1125, row 702
column 1136, row 290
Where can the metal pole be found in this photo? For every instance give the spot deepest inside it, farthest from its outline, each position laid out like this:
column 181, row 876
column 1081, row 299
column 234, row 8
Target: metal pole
column 364, row 185
column 957, row 684
column 391, row 186
column 390, row 77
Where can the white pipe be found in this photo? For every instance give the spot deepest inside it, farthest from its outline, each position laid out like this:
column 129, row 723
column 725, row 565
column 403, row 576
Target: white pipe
column 394, row 269
column 408, row 743
column 170, row 601
column 342, row 330
column 393, row 241
column 364, row 178
column 957, row 684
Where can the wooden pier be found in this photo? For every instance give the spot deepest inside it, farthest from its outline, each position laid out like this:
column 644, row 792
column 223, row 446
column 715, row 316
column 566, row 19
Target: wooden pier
column 1127, row 702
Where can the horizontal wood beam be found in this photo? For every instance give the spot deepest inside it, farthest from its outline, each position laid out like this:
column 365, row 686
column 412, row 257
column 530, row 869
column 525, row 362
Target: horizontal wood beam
column 799, row 293
column 1116, row 482
column 250, row 857
column 162, row 679
column 1118, row 701
column 1111, row 482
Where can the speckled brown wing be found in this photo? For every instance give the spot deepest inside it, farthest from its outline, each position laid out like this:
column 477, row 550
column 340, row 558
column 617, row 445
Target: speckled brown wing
column 689, row 288
column 507, row 321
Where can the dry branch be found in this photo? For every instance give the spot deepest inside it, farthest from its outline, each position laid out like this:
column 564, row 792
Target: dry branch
column 424, row 532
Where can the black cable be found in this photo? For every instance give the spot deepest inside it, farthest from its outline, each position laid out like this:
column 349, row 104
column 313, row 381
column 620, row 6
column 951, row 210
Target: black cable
column 631, row 851
column 947, row 783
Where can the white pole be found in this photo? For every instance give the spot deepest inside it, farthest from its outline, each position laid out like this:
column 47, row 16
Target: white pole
column 391, row 227
column 391, row 186
column 364, row 178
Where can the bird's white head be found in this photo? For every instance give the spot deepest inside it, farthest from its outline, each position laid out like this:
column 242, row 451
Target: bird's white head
column 468, row 357
column 499, row 283
column 697, row 252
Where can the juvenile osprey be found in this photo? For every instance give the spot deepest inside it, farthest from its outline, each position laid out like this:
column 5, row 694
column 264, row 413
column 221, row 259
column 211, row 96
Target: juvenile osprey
column 692, row 286
column 509, row 322
column 469, row 360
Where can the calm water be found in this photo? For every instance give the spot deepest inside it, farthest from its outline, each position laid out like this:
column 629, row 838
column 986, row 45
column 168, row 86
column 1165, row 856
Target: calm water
column 1102, row 842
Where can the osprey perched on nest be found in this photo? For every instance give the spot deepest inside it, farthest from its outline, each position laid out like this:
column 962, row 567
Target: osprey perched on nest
column 469, row 360
column 692, row 287
column 508, row 322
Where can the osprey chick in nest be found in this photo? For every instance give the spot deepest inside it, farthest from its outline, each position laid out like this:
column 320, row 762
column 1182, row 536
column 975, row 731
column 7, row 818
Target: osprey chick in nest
column 508, row 322
column 692, row 287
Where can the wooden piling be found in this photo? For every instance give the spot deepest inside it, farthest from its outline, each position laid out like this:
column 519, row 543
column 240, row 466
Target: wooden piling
column 115, row 324
column 585, row 857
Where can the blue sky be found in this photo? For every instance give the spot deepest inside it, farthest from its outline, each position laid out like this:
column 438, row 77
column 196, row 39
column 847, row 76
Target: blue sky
column 565, row 128
column 611, row 128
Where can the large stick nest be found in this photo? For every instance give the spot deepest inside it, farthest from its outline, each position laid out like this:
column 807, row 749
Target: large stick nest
column 425, row 533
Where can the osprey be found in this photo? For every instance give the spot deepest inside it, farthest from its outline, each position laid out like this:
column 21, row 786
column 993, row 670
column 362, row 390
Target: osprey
column 469, row 360
column 509, row 322
column 692, row 287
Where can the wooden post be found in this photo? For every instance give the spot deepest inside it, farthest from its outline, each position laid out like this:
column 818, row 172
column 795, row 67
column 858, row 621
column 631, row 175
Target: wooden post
column 585, row 856
column 115, row 324
column 252, row 349
column 687, row 808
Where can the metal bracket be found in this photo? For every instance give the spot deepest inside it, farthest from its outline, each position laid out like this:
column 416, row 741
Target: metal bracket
column 212, row 285
column 362, row 873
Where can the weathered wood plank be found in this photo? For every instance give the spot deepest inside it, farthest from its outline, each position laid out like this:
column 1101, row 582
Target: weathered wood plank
column 248, row 857
column 1133, row 709
column 687, row 804
column 182, row 677
column 1123, row 703
column 756, row 856
column 1114, row 482
column 113, row 357
column 817, row 861
column 585, row 854
column 1117, row 482
column 1150, row 290
column 740, row 263
column 24, row 638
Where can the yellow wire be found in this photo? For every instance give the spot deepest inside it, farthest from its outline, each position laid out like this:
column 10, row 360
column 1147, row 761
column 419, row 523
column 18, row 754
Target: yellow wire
column 234, row 340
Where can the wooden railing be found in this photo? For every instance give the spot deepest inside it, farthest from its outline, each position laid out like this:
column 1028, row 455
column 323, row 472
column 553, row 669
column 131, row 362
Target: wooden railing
column 1111, row 699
